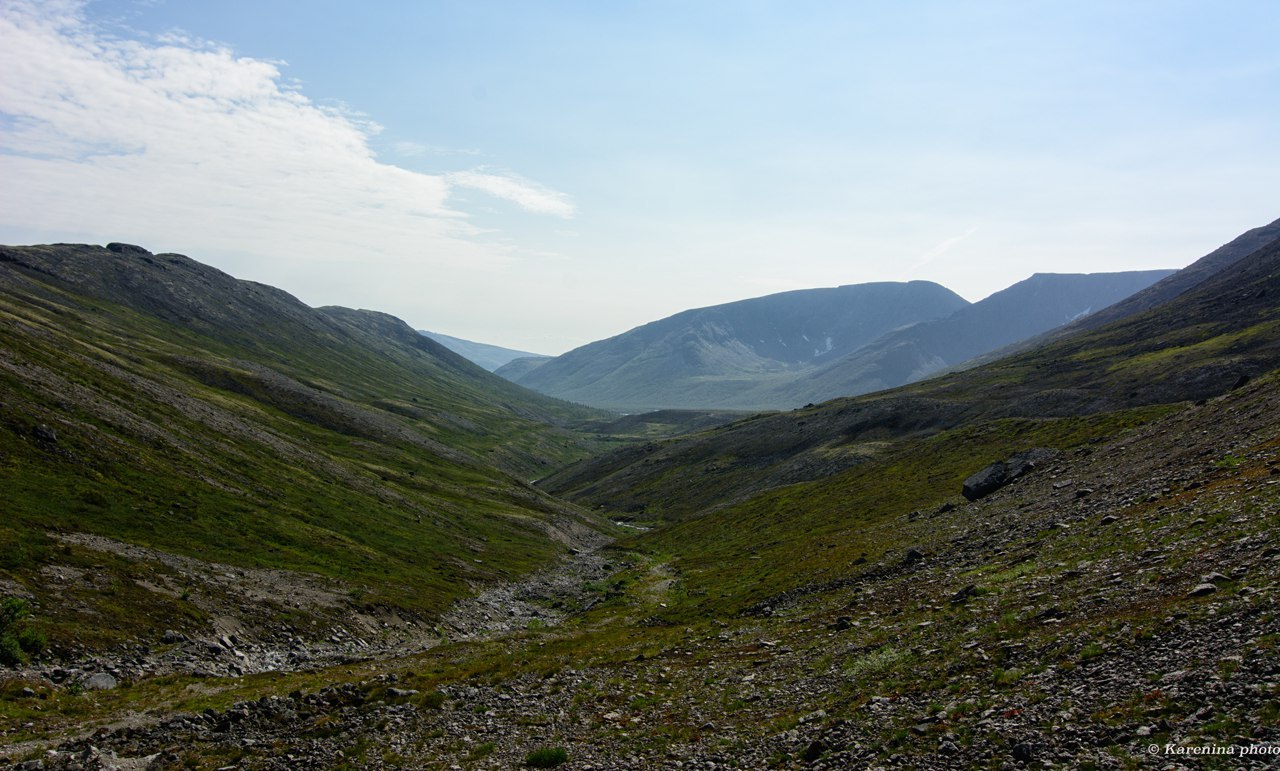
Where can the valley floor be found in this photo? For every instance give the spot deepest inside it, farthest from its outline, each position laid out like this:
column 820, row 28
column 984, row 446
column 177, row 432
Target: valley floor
column 1116, row 608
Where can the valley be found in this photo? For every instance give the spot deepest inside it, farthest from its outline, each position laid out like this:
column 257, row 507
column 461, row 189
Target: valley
column 254, row 534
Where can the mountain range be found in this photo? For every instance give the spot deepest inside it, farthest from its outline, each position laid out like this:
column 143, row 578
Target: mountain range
column 785, row 350
column 491, row 357
column 240, row 531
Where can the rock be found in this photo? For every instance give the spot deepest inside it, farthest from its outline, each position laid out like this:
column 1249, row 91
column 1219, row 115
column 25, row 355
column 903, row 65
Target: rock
column 1215, row 578
column 964, row 594
column 1201, row 590
column 1001, row 473
column 842, row 623
column 45, row 434
column 100, row 682
column 1024, row 752
column 913, row 555
column 170, row 637
column 813, row 751
column 1107, row 520
column 119, row 248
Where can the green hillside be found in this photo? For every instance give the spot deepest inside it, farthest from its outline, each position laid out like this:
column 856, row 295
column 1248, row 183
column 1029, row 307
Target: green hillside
column 809, row 589
column 153, row 400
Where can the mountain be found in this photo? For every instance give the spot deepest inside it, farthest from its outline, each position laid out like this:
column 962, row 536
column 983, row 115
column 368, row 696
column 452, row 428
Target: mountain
column 1182, row 281
column 1199, row 344
column 701, row 358
column 516, row 369
column 821, row 588
column 1044, row 301
column 152, row 405
column 759, row 354
column 491, row 357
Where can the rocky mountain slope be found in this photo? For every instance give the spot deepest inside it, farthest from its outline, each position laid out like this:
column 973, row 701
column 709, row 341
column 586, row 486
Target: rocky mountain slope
column 149, row 401
column 491, row 357
column 1162, row 291
column 821, row 589
column 1044, row 301
column 1195, row 346
column 759, row 354
column 701, row 358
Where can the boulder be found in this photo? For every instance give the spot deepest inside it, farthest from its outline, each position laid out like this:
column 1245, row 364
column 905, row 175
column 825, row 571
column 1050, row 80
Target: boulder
column 120, row 248
column 1001, row 473
column 100, row 682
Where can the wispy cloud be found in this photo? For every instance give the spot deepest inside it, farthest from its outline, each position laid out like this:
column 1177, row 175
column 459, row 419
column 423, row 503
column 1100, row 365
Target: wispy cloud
column 525, row 193
column 190, row 143
column 417, row 149
column 943, row 247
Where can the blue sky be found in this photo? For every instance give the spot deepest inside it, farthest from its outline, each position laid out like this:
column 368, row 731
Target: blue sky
column 540, row 175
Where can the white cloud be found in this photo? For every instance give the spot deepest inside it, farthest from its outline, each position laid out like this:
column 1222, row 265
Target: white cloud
column 186, row 143
column 417, row 149
column 943, row 247
column 526, row 194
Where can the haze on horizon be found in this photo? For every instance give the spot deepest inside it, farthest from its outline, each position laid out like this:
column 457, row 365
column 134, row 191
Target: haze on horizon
column 543, row 176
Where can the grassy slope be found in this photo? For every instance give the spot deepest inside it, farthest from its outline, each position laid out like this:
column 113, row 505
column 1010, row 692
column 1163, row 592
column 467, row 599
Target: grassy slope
column 320, row 441
column 1194, row 347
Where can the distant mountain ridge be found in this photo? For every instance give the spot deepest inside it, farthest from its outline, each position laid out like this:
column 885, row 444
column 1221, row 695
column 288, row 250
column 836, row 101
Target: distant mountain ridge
column 491, row 357
column 1212, row 337
column 702, row 357
column 1042, row 302
column 1162, row 291
column 782, row 351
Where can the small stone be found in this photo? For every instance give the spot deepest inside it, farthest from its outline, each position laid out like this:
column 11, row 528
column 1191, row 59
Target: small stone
column 1107, row 520
column 1201, row 590
column 100, row 682
column 1024, row 752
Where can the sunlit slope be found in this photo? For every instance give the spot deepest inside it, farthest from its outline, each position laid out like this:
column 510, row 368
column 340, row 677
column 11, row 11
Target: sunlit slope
column 155, row 400
column 708, row 358
column 1198, row 345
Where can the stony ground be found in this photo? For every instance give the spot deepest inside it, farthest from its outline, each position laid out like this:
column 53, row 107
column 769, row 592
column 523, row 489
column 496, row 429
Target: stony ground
column 1123, row 596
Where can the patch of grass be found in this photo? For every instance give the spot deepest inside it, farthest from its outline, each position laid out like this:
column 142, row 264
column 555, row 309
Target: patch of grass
column 546, row 757
column 482, row 750
column 19, row 641
column 880, row 660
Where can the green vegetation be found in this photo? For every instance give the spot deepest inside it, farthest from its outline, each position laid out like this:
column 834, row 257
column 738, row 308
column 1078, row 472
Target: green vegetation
column 18, row 639
column 243, row 428
column 547, row 757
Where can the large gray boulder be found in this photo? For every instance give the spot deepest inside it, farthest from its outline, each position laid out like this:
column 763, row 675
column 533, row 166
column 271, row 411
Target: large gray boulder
column 1002, row 472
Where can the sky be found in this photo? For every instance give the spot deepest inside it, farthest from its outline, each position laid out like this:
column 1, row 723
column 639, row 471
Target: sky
column 542, row 175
